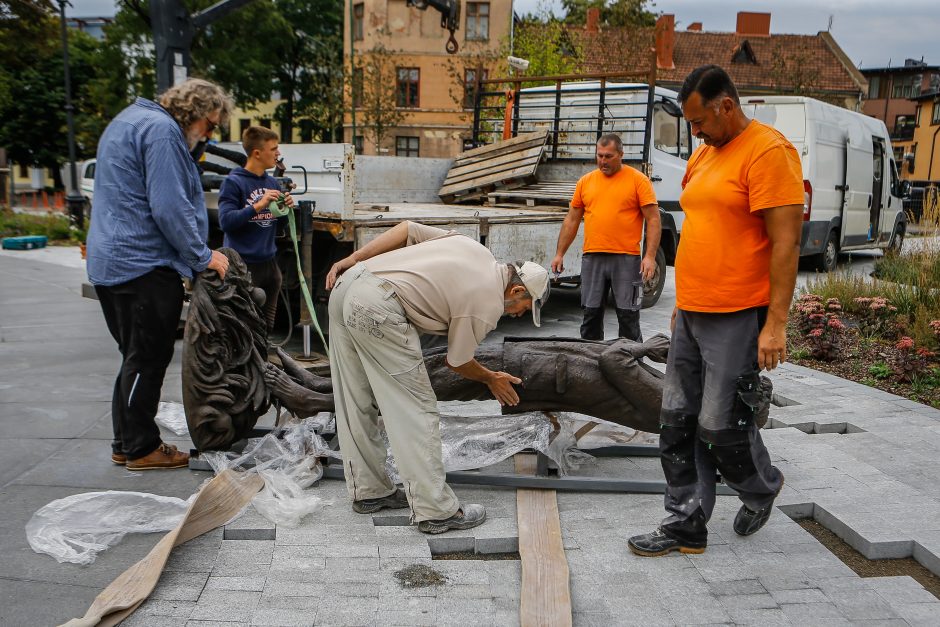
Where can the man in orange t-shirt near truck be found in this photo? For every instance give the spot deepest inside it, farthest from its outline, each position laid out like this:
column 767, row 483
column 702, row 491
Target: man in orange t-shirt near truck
column 735, row 273
column 614, row 202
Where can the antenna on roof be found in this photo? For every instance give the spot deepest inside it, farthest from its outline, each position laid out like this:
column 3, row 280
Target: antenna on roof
column 829, row 28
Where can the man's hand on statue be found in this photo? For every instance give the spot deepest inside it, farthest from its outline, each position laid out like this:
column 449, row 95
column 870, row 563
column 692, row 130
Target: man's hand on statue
column 771, row 346
column 338, row 268
column 219, row 263
column 262, row 203
column 501, row 386
column 647, row 268
column 558, row 265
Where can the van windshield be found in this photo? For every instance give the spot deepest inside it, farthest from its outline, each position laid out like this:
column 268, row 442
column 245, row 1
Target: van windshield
column 789, row 119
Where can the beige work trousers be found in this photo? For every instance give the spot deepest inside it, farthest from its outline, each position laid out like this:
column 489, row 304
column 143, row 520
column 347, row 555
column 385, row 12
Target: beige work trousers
column 377, row 366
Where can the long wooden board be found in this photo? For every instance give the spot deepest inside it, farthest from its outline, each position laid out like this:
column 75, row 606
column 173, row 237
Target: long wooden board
column 546, row 595
column 508, row 163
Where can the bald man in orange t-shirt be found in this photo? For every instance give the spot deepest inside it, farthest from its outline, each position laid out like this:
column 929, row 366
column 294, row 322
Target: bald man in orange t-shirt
column 735, row 274
column 614, row 203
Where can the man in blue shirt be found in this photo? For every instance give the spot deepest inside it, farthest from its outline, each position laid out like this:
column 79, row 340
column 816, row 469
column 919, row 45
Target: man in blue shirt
column 148, row 228
column 245, row 213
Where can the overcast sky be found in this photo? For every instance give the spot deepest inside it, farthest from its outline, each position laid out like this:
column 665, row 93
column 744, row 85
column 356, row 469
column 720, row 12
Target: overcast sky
column 872, row 32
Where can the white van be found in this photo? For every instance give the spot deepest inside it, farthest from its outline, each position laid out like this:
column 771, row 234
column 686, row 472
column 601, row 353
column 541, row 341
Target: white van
column 852, row 189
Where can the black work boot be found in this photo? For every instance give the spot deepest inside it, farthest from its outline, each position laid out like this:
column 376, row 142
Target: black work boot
column 748, row 522
column 657, row 543
column 395, row 500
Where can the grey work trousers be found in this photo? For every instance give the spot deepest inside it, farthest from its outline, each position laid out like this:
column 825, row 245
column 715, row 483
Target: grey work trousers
column 708, row 420
column 377, row 366
column 602, row 273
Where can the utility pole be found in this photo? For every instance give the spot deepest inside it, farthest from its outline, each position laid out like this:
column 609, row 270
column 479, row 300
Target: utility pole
column 173, row 32
column 74, row 199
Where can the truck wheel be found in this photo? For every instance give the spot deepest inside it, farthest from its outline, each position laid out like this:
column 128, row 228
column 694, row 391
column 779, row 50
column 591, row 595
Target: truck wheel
column 827, row 260
column 897, row 239
column 653, row 288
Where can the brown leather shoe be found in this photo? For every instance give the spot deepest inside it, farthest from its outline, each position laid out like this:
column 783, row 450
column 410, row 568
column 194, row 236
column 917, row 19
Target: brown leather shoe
column 166, row 456
column 119, row 458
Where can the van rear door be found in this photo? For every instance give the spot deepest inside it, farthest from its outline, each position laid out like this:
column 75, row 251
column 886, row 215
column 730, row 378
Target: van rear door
column 857, row 188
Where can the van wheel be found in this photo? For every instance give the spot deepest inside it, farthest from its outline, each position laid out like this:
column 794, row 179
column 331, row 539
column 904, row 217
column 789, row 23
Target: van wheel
column 897, row 239
column 827, row 260
column 653, row 288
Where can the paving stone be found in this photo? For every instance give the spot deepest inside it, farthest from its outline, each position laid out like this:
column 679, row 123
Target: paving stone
column 698, row 610
column 748, row 602
column 811, row 613
column 804, row 595
column 225, row 605
column 179, row 586
column 861, row 605
column 759, row 617
column 283, row 617
column 251, row 584
column 745, row 586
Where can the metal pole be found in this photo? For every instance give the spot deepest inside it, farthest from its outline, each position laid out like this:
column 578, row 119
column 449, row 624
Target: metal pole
column 352, row 68
column 74, row 199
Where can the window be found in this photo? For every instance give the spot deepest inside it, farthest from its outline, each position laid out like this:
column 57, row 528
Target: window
column 24, row 171
column 359, row 14
column 935, row 118
column 358, row 144
column 874, row 84
column 406, row 146
column 357, row 87
column 670, row 133
column 903, row 127
column 906, row 86
column 470, row 85
column 406, row 90
column 265, row 122
column 243, row 124
column 478, row 21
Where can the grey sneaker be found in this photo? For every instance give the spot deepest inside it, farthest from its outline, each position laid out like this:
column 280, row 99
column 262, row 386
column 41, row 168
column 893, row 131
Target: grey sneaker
column 467, row 517
column 657, row 543
column 395, row 500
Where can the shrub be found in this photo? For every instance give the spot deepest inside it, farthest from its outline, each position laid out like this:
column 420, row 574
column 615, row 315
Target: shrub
column 54, row 226
column 876, row 316
column 910, row 362
column 880, row 370
column 821, row 325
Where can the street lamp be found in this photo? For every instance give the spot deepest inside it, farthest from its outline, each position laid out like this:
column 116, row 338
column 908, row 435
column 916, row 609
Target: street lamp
column 74, row 199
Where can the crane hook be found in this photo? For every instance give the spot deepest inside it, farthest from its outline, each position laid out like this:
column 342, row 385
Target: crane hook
column 451, row 46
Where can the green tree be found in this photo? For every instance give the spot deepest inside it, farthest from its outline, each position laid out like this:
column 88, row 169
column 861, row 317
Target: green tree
column 618, row 13
column 549, row 47
column 374, row 93
column 32, row 94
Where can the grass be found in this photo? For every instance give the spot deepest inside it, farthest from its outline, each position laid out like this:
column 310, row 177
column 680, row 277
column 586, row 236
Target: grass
column 54, row 226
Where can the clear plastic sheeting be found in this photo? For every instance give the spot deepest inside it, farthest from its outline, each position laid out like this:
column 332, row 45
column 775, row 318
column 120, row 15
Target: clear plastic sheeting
column 171, row 416
column 78, row 527
column 477, row 441
column 288, row 462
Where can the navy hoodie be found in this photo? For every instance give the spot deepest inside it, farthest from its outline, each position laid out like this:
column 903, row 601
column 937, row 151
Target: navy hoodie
column 249, row 232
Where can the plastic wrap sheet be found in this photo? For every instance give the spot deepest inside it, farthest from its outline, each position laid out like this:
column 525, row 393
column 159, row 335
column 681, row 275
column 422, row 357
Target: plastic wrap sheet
column 78, row 527
column 287, row 461
column 172, row 416
column 475, row 441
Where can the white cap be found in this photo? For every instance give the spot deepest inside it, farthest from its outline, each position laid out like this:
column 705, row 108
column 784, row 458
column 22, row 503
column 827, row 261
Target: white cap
column 535, row 279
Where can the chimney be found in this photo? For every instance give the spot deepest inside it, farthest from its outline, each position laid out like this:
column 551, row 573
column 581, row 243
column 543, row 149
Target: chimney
column 753, row 24
column 695, row 26
column 593, row 19
column 665, row 41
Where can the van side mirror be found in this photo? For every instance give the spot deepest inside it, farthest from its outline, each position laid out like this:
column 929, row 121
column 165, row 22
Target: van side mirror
column 904, row 189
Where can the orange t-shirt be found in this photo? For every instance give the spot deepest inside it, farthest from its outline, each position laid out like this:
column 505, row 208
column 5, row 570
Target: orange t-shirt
column 613, row 222
column 723, row 261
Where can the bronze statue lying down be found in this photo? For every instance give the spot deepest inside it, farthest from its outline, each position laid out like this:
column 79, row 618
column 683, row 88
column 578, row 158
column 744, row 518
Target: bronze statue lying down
column 604, row 380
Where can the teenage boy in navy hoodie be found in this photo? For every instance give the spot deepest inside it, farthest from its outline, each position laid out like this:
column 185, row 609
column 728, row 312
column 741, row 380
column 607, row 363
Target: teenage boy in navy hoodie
column 245, row 216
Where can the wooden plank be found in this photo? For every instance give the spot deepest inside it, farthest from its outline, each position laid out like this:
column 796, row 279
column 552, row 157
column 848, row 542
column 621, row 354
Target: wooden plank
column 525, row 167
column 518, row 139
column 517, row 173
column 497, row 150
column 546, row 595
column 483, row 165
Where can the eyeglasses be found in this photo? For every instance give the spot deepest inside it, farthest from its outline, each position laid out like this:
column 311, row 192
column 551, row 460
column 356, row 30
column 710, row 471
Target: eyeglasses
column 211, row 126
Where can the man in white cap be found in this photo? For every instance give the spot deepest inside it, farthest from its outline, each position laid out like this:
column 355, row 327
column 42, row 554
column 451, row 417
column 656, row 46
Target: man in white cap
column 415, row 279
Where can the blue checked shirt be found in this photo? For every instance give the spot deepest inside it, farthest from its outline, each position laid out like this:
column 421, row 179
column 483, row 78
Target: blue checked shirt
column 148, row 209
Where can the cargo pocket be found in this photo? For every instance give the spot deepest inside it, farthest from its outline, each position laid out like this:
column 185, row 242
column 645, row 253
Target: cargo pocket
column 636, row 295
column 747, row 400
